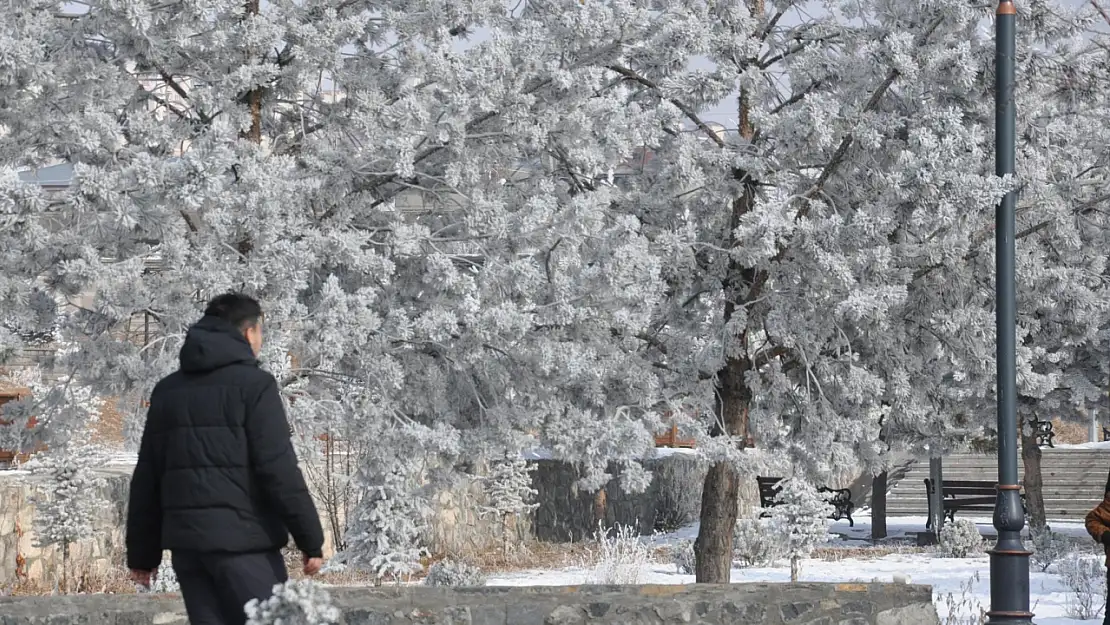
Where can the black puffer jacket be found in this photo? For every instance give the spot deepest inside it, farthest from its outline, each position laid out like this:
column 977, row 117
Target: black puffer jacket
column 216, row 470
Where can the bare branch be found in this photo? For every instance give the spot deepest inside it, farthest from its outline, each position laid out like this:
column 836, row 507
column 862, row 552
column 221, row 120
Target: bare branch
column 686, row 110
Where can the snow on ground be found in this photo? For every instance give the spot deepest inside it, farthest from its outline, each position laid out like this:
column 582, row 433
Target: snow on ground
column 1098, row 445
column 961, row 583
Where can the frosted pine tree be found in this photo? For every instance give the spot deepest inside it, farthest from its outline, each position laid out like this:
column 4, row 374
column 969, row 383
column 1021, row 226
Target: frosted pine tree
column 296, row 602
column 509, row 493
column 537, row 233
column 384, row 537
column 802, row 514
column 67, row 503
column 165, row 580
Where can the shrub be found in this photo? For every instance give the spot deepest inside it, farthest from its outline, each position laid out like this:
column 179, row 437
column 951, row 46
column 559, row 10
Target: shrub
column 965, row 609
column 1048, row 548
column 960, row 539
column 679, row 480
column 454, row 573
column 758, row 542
column 1085, row 580
column 683, row 556
column 621, row 557
column 302, row 602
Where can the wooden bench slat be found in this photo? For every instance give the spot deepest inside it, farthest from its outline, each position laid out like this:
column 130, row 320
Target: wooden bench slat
column 967, row 495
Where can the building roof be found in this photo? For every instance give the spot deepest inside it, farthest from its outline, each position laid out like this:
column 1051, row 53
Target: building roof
column 60, row 175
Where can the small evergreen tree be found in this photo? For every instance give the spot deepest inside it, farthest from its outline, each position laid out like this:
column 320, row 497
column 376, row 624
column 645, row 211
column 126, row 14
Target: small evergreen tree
column 66, row 506
column 301, row 602
column 165, row 580
column 385, row 534
column 510, row 492
column 803, row 514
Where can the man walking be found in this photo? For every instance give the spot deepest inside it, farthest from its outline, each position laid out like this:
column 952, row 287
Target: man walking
column 217, row 481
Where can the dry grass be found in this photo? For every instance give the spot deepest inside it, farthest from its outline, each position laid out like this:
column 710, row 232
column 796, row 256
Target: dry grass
column 837, row 554
column 108, row 428
column 1070, row 432
column 87, row 580
column 535, row 555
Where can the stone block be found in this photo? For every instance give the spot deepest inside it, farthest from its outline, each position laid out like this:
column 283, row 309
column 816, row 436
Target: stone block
column 913, row 614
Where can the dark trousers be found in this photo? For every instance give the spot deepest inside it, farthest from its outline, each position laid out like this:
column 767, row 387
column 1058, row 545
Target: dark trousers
column 216, row 586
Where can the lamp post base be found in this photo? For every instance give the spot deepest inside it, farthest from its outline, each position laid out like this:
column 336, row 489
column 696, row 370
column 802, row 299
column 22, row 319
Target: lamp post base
column 1010, row 588
column 1009, row 563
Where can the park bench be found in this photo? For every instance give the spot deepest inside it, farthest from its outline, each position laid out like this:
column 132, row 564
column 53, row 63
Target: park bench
column 964, row 495
column 839, row 498
column 1042, row 433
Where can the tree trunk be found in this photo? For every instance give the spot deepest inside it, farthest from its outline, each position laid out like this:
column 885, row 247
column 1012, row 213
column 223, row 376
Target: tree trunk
column 878, row 506
column 1033, row 482
column 936, row 499
column 720, row 500
column 65, row 567
column 254, row 133
column 795, row 569
column 719, row 504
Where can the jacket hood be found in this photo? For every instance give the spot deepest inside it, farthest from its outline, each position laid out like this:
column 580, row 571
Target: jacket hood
column 213, row 344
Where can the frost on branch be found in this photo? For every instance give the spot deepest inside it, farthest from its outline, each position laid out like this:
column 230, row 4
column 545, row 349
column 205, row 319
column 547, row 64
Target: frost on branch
column 53, row 413
column 301, row 602
column 803, row 515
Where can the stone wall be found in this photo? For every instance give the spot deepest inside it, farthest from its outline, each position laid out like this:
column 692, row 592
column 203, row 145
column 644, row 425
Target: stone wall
column 750, row 604
column 20, row 557
column 673, row 500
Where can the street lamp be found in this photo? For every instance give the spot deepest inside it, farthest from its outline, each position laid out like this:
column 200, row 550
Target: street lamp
column 1009, row 558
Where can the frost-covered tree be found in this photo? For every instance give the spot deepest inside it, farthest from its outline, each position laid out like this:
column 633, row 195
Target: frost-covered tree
column 802, row 514
column 296, row 602
column 165, row 580
column 67, row 503
column 384, row 537
column 961, row 539
column 452, row 573
column 481, row 223
column 509, row 492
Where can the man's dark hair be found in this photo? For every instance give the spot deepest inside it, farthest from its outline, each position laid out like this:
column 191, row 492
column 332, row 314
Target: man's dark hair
column 239, row 310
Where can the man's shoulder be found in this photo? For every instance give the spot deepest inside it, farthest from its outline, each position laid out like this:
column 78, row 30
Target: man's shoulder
column 247, row 375
column 232, row 375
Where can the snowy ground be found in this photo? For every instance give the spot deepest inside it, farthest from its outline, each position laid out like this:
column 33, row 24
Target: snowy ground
column 960, row 583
